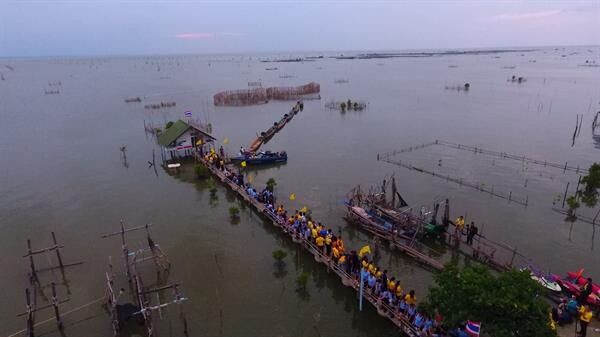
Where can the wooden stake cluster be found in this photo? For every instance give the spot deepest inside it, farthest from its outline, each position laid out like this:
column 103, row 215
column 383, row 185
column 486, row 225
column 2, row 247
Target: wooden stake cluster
column 35, row 283
column 140, row 294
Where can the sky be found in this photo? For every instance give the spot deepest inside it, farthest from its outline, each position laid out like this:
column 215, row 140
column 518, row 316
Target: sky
column 138, row 27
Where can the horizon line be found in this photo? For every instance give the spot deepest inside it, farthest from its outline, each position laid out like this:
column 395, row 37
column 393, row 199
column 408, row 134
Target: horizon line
column 109, row 55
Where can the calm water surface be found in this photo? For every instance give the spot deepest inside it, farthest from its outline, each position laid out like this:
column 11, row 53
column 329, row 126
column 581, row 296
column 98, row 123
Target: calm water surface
column 62, row 171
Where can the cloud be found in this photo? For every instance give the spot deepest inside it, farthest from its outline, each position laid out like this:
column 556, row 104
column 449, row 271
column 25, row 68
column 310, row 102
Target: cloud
column 524, row 16
column 194, row 36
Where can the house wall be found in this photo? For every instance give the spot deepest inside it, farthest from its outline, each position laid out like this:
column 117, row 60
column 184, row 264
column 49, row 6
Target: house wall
column 183, row 145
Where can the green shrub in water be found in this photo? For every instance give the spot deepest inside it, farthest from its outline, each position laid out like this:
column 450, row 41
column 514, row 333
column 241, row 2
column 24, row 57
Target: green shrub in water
column 302, row 280
column 234, row 212
column 202, row 172
column 279, row 255
column 271, row 183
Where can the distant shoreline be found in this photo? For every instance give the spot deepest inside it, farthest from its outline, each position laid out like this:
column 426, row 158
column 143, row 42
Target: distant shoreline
column 293, row 54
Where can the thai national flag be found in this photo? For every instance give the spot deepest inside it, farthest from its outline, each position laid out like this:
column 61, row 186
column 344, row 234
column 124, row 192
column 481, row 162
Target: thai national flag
column 188, row 114
column 473, row 328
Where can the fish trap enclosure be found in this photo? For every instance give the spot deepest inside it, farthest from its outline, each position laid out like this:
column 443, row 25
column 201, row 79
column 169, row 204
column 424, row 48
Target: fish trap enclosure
column 241, row 97
column 261, row 95
column 499, row 174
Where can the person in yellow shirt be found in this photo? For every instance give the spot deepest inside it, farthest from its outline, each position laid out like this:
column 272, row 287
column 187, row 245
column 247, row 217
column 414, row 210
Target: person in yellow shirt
column 313, row 232
column 336, row 253
column 392, row 284
column 378, row 273
column 398, row 290
column 371, row 268
column 342, row 260
column 340, row 244
column 551, row 321
column 365, row 263
column 328, row 239
column 410, row 298
column 585, row 316
column 460, row 224
column 320, row 241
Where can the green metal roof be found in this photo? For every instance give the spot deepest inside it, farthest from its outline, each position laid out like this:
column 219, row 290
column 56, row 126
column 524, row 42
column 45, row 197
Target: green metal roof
column 176, row 130
column 171, row 134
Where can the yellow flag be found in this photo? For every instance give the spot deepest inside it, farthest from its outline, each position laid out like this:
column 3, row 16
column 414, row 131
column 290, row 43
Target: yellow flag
column 199, row 142
column 243, row 163
column 225, row 140
column 364, row 250
column 304, row 209
column 212, row 150
column 292, row 196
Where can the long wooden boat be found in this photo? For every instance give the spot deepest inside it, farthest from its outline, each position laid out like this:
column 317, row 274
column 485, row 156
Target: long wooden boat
column 262, row 158
column 397, row 237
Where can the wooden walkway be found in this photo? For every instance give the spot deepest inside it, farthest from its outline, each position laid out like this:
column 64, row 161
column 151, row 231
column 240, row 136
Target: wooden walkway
column 346, row 279
column 496, row 255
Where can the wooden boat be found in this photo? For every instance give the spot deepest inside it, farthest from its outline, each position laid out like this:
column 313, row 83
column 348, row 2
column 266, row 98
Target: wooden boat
column 262, row 158
column 572, row 284
column 399, row 238
column 545, row 281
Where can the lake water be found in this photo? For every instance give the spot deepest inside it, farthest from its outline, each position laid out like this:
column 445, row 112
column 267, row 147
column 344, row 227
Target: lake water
column 62, row 171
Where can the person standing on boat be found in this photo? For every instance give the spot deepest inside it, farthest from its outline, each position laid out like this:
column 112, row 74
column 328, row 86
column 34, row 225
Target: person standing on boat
column 585, row 291
column 585, row 316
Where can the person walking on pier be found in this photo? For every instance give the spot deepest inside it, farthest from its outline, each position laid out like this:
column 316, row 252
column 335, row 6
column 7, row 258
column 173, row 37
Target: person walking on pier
column 585, row 316
column 585, row 291
column 459, row 224
column 471, row 232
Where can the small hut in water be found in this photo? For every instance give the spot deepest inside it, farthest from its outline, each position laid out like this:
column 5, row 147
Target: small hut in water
column 183, row 139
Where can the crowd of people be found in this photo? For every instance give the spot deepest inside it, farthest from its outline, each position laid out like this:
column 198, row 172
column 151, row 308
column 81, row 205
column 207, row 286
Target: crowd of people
column 388, row 292
column 576, row 309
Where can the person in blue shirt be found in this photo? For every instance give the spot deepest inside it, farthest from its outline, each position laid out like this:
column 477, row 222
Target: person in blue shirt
column 402, row 306
column 364, row 273
column 572, row 306
column 428, row 323
column 371, row 281
column 411, row 311
column 459, row 332
column 418, row 320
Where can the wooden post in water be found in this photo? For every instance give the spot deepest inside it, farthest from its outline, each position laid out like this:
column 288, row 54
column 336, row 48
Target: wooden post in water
column 33, row 275
column 30, row 312
column 565, row 195
column 59, row 322
column 60, row 262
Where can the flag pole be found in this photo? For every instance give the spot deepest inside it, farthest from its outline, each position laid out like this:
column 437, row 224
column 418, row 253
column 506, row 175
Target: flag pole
column 360, row 300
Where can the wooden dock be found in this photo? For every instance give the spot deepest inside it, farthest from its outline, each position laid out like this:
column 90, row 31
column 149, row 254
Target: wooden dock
column 346, row 279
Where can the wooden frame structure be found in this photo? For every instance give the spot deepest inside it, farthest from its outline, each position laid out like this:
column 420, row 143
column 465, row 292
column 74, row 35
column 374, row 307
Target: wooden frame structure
column 140, row 294
column 34, row 280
